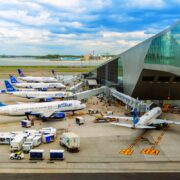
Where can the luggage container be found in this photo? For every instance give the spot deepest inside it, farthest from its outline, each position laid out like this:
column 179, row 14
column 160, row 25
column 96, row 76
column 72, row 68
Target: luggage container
column 16, row 133
column 71, row 141
column 6, row 138
column 56, row 154
column 27, row 146
column 46, row 138
column 31, row 131
column 37, row 141
column 36, row 154
column 16, row 143
column 30, row 138
column 80, row 120
column 26, row 123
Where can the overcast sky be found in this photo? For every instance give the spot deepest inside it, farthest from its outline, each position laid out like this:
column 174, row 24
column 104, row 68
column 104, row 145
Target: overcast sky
column 39, row 27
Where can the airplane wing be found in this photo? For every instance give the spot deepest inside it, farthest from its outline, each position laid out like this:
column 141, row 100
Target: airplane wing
column 42, row 98
column 162, row 121
column 119, row 117
column 45, row 114
column 132, row 126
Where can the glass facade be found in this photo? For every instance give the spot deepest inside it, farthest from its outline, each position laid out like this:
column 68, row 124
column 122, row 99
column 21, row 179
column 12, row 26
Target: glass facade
column 120, row 71
column 165, row 49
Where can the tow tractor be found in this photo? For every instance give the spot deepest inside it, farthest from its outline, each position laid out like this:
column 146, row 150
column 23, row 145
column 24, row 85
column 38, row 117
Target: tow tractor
column 17, row 155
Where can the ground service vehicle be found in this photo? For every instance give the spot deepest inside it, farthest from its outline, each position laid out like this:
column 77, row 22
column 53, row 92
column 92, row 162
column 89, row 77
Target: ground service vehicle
column 71, row 141
column 16, row 143
column 17, row 155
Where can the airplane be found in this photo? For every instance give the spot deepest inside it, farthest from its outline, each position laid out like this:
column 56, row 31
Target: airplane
column 66, row 79
column 36, row 95
column 148, row 121
column 44, row 111
column 39, row 86
column 35, row 78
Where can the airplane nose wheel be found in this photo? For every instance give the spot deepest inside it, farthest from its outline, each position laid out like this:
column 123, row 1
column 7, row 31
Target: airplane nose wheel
column 73, row 113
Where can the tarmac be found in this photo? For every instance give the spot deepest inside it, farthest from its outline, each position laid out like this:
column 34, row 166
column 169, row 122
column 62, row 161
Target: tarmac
column 101, row 144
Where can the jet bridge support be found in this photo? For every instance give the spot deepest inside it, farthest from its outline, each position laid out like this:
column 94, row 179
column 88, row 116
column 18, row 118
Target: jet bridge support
column 130, row 101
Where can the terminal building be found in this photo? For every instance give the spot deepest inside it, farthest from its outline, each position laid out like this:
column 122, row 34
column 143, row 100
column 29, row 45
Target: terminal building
column 149, row 70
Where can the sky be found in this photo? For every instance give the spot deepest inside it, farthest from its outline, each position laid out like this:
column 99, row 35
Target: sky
column 40, row 27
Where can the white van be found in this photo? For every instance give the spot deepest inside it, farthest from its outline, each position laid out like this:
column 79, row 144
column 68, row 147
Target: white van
column 70, row 140
column 16, row 143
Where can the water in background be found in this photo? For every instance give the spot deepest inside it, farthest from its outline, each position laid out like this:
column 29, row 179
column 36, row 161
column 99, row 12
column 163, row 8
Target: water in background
column 46, row 62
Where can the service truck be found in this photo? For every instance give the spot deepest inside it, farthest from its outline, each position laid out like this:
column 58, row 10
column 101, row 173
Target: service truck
column 16, row 143
column 71, row 141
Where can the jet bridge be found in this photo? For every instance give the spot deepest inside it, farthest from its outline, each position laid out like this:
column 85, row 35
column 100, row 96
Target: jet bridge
column 89, row 93
column 130, row 101
column 76, row 87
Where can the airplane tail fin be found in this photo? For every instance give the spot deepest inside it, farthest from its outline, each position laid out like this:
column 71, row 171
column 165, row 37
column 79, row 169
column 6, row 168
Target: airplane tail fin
column 54, row 73
column 135, row 116
column 9, row 87
column 20, row 73
column 2, row 104
column 13, row 79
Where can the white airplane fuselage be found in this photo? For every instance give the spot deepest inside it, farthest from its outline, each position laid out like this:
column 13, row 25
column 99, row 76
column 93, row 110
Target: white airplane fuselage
column 41, row 94
column 56, row 106
column 38, row 79
column 39, row 85
column 149, row 117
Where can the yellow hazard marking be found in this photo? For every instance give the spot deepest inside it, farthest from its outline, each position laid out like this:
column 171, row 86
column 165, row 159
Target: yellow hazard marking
column 150, row 151
column 126, row 151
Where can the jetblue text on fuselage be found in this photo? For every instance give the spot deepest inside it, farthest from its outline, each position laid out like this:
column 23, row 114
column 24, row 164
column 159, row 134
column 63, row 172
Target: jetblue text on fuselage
column 64, row 105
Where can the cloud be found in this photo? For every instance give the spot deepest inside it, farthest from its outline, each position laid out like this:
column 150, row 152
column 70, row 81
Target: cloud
column 145, row 4
column 80, row 26
column 129, row 36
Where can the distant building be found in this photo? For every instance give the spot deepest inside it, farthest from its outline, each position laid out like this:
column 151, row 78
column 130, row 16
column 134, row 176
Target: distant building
column 88, row 57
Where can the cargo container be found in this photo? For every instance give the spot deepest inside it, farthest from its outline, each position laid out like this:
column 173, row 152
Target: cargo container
column 71, row 141
column 48, row 138
column 31, row 131
column 30, row 138
column 6, row 138
column 37, row 141
column 16, row 143
column 26, row 123
column 80, row 120
column 27, row 146
column 56, row 154
column 36, row 154
column 48, row 130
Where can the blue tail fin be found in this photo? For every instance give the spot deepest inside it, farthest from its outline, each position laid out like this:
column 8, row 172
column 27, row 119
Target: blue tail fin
column 135, row 116
column 13, row 79
column 9, row 87
column 20, row 73
column 2, row 104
